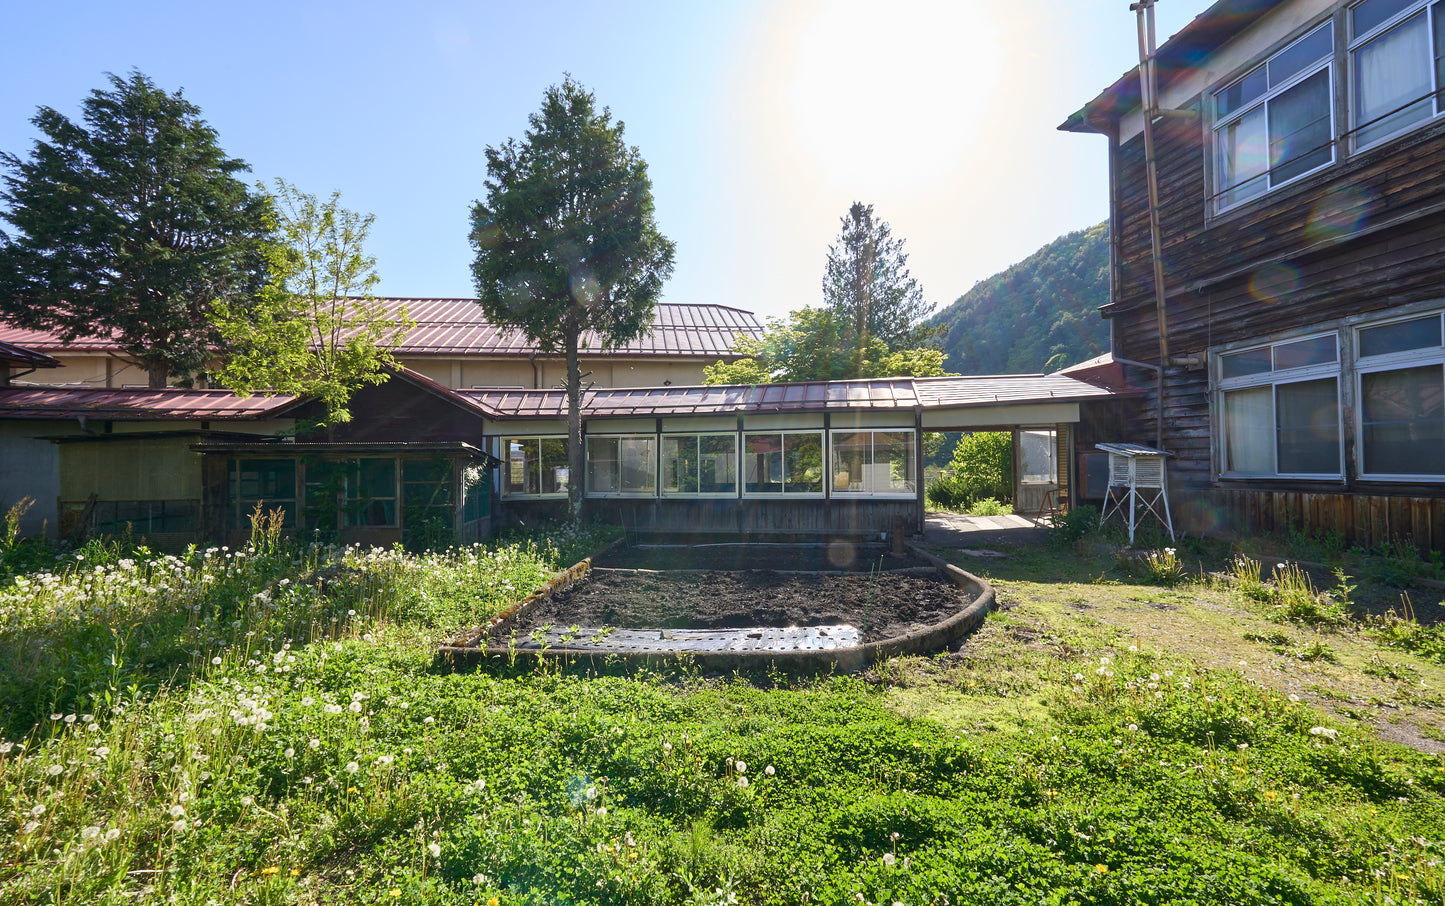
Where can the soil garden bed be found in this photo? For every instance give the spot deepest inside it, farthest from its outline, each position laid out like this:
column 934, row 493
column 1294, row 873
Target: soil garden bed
column 881, row 605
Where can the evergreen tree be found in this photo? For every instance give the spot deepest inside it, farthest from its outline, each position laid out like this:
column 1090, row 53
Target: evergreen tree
column 130, row 225
column 868, row 288
column 568, row 250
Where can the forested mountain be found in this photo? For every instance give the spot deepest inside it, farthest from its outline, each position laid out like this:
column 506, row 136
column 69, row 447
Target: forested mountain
column 1039, row 315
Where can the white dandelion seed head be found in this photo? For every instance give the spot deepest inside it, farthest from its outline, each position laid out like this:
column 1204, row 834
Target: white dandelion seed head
column 352, row 767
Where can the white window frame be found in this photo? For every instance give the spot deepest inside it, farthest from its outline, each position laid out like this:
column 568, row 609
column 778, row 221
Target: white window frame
column 1392, row 361
column 697, row 437
column 1220, row 192
column 830, row 473
column 1275, row 379
column 784, row 494
column 1431, row 9
column 651, row 438
column 507, row 462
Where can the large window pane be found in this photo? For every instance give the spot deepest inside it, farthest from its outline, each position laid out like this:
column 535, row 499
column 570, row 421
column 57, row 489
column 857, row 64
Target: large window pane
column 535, row 465
column 803, row 463
column 1403, row 421
column 893, row 461
column 852, row 456
column 783, row 463
column 553, row 453
column 371, row 492
column 268, row 482
column 1243, row 157
column 718, row 464
column 621, row 465
column 1036, row 457
column 763, row 464
column 679, row 465
column 1299, row 128
column 637, row 465
column 1393, row 80
column 1308, row 427
column 602, row 465
column 1248, row 429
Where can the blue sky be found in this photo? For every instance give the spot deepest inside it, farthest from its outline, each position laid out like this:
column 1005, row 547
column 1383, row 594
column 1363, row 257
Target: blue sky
column 760, row 122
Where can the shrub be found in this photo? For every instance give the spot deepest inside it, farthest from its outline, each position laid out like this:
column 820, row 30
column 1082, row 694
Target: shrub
column 1075, row 524
column 982, row 468
column 988, row 507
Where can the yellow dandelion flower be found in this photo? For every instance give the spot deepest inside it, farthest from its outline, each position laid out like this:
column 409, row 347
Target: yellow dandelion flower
column 1271, row 795
column 295, row 872
column 269, row 870
column 395, row 893
column 1101, row 868
column 493, row 901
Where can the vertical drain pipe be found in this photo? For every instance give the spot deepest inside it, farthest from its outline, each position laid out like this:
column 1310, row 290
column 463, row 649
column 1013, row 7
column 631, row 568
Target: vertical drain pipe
column 1149, row 107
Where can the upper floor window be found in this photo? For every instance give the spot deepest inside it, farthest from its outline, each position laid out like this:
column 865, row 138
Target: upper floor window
column 1397, row 56
column 1275, row 123
column 1282, row 409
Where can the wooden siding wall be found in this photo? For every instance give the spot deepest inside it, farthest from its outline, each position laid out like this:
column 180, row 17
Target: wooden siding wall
column 729, row 516
column 1358, row 519
column 1365, row 234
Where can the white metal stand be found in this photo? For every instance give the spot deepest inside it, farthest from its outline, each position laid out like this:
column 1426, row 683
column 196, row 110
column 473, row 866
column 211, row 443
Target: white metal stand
column 1136, row 478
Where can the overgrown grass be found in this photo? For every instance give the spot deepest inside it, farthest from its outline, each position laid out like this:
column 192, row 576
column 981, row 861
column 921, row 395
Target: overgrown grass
column 313, row 753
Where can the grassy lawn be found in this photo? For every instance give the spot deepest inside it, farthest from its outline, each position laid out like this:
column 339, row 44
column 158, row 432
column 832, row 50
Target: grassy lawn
column 268, row 726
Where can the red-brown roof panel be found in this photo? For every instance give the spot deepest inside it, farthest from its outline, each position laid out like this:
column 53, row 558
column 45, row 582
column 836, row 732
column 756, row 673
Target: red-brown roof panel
column 129, row 405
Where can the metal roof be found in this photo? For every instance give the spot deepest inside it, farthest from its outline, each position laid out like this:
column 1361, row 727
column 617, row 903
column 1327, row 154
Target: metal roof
column 812, row 396
column 452, row 327
column 136, row 405
column 1206, row 33
column 457, row 327
column 20, row 355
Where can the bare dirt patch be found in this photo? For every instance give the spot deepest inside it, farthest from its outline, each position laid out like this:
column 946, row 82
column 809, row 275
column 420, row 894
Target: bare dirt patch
column 881, row 605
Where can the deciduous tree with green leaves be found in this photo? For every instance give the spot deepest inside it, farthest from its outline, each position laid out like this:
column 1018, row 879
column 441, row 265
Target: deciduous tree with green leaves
column 130, row 224
column 812, row 345
column 317, row 329
column 567, row 246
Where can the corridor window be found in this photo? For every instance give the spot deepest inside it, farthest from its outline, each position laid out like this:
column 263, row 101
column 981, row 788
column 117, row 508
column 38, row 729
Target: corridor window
column 1281, row 410
column 699, row 464
column 1275, row 123
column 622, row 465
column 1397, row 62
column 873, row 462
column 1402, row 399
column 269, row 483
column 371, row 492
column 783, row 462
column 535, row 466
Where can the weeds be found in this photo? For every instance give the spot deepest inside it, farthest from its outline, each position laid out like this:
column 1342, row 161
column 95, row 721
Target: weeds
column 1290, row 593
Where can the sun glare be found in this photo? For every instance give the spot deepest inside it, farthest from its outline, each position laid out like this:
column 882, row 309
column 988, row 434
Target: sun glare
column 893, row 91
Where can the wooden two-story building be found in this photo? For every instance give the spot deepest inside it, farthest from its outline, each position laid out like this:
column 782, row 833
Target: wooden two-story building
column 1299, row 147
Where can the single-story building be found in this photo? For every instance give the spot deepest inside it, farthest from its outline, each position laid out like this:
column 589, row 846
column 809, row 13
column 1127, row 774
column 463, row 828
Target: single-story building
column 420, row 463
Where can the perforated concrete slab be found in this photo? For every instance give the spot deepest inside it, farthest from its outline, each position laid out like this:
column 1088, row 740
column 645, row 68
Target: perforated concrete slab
column 761, row 638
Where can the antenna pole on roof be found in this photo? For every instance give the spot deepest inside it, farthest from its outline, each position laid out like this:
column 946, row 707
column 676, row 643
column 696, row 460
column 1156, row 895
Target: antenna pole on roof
column 1149, row 109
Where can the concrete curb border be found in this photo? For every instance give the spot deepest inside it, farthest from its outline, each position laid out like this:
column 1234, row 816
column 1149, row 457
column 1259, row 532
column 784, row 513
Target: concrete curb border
column 465, row 652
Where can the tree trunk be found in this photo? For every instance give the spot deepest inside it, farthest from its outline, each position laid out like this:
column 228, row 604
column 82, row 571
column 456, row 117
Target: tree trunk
column 157, row 373
column 576, row 458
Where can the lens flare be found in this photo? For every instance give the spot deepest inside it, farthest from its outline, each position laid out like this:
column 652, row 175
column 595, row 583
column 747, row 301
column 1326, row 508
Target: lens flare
column 1339, row 214
column 1273, row 282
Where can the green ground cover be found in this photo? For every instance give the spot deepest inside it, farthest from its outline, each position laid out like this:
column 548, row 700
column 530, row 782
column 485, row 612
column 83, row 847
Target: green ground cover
column 269, row 726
